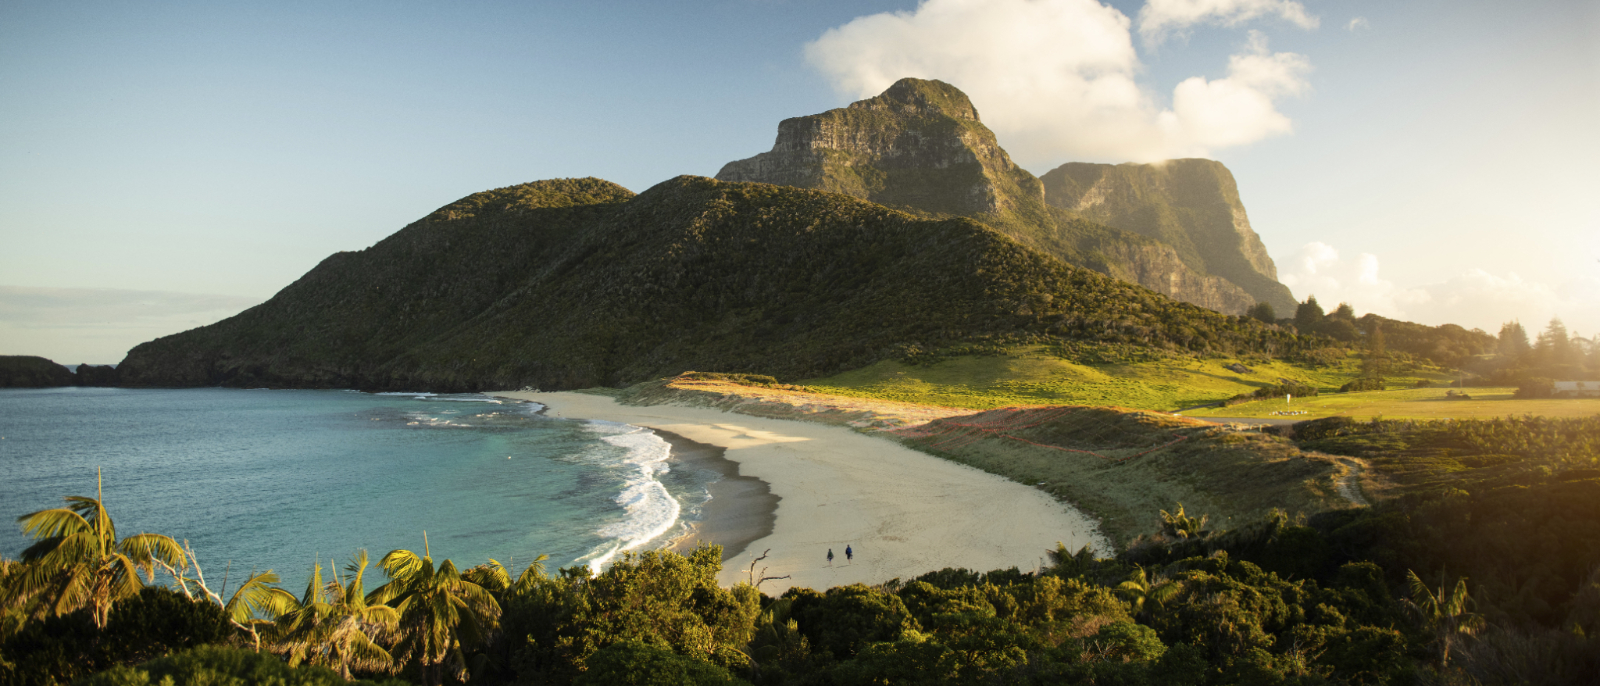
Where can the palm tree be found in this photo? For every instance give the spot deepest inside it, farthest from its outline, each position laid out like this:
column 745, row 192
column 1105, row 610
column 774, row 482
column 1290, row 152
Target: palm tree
column 1448, row 615
column 77, row 560
column 334, row 625
column 441, row 612
column 1179, row 525
column 1141, row 590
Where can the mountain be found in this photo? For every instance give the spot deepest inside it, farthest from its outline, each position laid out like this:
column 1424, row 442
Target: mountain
column 1192, row 205
column 576, row 283
column 922, row 148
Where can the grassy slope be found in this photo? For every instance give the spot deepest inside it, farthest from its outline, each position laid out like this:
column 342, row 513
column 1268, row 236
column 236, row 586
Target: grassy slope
column 1418, row 403
column 1034, row 376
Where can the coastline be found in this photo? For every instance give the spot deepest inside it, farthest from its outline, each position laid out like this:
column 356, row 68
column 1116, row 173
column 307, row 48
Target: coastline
column 904, row 513
column 742, row 509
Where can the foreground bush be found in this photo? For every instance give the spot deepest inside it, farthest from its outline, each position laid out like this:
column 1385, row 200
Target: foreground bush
column 222, row 666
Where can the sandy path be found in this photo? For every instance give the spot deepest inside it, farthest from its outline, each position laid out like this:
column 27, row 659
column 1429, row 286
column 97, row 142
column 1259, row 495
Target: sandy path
column 904, row 512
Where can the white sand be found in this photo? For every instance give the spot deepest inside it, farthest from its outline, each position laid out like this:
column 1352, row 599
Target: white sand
column 905, row 513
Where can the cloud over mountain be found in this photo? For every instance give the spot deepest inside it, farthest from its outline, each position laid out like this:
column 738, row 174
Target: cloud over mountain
column 1057, row 79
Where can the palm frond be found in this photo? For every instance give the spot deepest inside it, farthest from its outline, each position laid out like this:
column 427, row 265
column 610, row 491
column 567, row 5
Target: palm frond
column 53, row 523
column 148, row 549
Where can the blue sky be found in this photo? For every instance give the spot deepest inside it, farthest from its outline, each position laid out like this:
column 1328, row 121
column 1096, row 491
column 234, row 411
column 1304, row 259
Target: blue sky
column 166, row 164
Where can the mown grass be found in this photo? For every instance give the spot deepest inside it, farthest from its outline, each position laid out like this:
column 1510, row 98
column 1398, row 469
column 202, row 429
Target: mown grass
column 1415, row 403
column 1035, row 376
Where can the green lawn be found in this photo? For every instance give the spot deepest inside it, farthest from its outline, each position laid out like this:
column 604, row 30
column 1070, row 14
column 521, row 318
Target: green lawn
column 1033, row 376
column 1413, row 403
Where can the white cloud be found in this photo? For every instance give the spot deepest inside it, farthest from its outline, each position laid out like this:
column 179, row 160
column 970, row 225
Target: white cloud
column 1162, row 18
column 1474, row 298
column 1357, row 24
column 99, row 326
column 1056, row 79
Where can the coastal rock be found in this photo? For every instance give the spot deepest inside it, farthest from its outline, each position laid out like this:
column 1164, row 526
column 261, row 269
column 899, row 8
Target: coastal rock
column 96, row 375
column 29, row 371
column 1192, row 205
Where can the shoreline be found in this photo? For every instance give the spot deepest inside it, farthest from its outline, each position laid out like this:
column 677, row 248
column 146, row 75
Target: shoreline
column 742, row 509
column 904, row 513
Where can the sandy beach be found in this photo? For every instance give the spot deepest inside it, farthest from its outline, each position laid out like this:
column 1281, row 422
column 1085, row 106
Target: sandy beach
column 902, row 512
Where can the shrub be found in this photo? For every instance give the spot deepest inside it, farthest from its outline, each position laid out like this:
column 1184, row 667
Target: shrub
column 640, row 664
column 1364, row 384
column 222, row 665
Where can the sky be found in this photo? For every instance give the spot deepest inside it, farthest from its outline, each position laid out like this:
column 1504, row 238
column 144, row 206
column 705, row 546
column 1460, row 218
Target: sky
column 166, row 165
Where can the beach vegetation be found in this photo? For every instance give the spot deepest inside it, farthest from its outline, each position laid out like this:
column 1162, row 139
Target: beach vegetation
column 436, row 614
column 77, row 560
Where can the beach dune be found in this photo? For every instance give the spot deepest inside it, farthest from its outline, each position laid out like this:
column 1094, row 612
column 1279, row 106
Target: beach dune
column 902, row 512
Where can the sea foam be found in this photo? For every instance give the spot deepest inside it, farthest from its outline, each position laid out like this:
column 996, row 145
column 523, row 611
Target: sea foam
column 650, row 509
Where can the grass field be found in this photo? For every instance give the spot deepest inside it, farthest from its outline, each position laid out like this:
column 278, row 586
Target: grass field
column 1033, row 376
column 1413, row 403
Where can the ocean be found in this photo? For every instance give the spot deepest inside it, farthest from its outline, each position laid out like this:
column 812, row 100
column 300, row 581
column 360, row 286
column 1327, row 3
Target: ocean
column 280, row 479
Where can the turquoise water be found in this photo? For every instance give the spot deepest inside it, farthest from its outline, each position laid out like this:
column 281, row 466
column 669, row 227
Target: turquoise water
column 259, row 479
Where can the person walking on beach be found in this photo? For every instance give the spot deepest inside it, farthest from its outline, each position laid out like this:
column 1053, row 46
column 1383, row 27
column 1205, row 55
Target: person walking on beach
column 849, row 555
column 830, row 557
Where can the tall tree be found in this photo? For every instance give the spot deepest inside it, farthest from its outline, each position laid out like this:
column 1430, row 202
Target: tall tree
column 1513, row 341
column 77, row 560
column 334, row 625
column 1308, row 316
column 1262, row 311
column 442, row 613
column 1376, row 359
column 1448, row 615
column 1554, row 347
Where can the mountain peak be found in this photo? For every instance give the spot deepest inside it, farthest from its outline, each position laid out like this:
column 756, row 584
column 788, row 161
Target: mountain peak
column 921, row 98
column 917, row 146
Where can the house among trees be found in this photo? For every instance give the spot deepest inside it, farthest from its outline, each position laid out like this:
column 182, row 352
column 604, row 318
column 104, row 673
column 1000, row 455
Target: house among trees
column 1576, row 389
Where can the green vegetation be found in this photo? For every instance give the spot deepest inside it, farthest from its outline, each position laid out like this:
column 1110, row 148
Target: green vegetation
column 1126, row 467
column 1415, row 403
column 1098, row 375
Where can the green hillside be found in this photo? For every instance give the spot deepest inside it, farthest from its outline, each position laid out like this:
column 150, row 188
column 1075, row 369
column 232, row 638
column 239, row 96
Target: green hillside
column 575, row 283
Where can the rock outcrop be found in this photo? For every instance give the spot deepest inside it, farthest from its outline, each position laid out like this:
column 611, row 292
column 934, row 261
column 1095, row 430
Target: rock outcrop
column 1191, row 204
column 921, row 147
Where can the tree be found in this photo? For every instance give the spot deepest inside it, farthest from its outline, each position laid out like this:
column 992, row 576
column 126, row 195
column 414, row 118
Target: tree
column 334, row 625
column 77, row 560
column 441, row 613
column 1343, row 311
column 1513, row 343
column 1448, row 616
column 1308, row 315
column 1262, row 311
column 1375, row 361
column 1179, row 525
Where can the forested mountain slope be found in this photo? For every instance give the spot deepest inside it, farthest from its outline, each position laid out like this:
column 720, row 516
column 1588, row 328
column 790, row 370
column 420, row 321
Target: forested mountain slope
column 576, row 283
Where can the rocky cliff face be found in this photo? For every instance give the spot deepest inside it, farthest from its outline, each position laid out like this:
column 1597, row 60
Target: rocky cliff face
column 918, row 146
column 921, row 147
column 1192, row 205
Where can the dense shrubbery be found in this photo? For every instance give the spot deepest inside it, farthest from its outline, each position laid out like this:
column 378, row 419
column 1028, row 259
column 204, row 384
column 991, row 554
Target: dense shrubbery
column 1362, row 384
column 1275, row 391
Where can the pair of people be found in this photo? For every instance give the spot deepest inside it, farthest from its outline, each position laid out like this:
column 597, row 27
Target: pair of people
column 849, row 555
